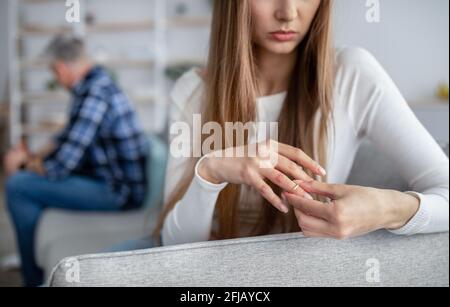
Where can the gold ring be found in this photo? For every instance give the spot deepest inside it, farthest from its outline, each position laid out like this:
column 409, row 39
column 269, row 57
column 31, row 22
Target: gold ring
column 295, row 188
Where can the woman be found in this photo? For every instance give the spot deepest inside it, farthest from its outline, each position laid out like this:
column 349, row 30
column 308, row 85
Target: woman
column 273, row 60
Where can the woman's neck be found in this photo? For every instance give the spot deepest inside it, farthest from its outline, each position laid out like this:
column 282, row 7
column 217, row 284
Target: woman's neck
column 274, row 72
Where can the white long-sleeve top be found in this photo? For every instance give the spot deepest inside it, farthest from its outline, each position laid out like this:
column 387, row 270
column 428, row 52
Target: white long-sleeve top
column 367, row 106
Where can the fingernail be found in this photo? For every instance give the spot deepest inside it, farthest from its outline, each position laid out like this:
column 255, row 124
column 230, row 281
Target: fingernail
column 284, row 209
column 308, row 196
column 322, row 171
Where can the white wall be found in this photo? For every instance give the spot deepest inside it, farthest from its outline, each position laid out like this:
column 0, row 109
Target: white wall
column 411, row 41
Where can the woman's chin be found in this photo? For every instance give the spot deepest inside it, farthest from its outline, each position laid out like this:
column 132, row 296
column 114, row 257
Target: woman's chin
column 282, row 48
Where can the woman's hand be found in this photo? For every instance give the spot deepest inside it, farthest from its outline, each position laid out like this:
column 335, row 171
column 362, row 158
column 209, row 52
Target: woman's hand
column 352, row 210
column 223, row 167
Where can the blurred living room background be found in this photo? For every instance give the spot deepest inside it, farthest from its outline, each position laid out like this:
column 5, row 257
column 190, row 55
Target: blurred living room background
column 147, row 44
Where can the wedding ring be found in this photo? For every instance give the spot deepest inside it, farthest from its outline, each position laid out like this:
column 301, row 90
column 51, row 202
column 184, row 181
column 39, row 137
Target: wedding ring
column 295, row 188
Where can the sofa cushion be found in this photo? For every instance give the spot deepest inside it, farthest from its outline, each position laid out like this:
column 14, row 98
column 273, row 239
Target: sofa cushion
column 64, row 233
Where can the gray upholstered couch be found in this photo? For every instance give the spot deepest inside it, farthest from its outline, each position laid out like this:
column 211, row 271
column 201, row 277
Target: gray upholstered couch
column 276, row 260
column 379, row 259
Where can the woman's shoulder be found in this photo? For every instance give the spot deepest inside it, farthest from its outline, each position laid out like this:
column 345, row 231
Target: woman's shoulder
column 188, row 89
column 346, row 55
column 357, row 60
column 358, row 73
column 360, row 80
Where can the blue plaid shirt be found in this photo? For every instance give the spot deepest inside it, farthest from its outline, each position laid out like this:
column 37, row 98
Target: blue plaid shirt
column 103, row 139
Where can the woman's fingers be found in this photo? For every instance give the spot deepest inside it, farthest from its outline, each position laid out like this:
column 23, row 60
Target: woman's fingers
column 311, row 226
column 300, row 158
column 284, row 182
column 291, row 168
column 309, row 207
column 266, row 191
column 332, row 191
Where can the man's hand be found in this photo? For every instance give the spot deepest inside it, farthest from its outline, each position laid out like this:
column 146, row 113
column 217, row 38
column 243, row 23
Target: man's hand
column 352, row 210
column 36, row 165
column 15, row 159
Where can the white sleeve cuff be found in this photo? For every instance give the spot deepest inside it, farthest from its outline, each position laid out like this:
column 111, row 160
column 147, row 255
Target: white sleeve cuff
column 191, row 219
column 419, row 222
column 206, row 184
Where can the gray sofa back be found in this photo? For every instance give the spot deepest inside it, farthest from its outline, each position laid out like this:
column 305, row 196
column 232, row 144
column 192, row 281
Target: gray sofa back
column 379, row 259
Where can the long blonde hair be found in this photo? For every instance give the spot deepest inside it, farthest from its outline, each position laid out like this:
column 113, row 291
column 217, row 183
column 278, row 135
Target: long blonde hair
column 231, row 95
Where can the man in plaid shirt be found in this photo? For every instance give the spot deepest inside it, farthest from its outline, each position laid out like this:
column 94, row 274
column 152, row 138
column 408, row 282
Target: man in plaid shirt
column 97, row 163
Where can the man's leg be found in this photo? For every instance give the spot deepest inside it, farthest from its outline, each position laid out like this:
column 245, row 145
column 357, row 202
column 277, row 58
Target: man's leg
column 29, row 194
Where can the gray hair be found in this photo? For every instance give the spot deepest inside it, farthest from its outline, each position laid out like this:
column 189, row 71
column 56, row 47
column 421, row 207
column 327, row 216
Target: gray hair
column 65, row 47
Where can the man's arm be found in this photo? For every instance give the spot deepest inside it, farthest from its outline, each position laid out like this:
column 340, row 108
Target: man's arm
column 35, row 162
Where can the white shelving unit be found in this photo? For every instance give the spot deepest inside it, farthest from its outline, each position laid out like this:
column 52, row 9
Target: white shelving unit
column 15, row 127
column 155, row 27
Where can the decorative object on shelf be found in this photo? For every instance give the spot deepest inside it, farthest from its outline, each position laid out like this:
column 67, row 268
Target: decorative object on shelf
column 90, row 18
column 113, row 74
column 176, row 71
column 52, row 85
column 181, row 9
column 442, row 91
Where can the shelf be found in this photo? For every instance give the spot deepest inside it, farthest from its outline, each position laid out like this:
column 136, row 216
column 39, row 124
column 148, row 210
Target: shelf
column 187, row 21
column 118, row 63
column 33, row 64
column 128, row 63
column 49, row 130
column 146, row 25
column 45, row 97
column 121, row 27
column 114, row 63
column 33, row 99
column 40, row 129
column 36, row 30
